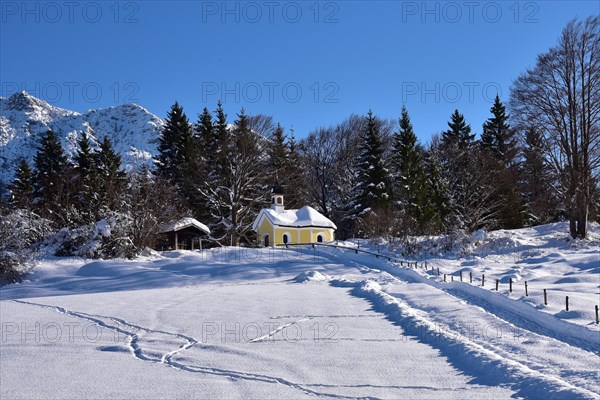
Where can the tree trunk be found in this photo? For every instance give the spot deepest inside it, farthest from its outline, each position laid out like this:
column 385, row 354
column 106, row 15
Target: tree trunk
column 582, row 214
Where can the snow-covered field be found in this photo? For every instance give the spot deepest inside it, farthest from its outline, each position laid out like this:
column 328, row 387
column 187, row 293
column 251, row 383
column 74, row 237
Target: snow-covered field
column 295, row 323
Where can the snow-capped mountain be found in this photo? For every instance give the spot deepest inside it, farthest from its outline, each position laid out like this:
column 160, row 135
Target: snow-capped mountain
column 132, row 130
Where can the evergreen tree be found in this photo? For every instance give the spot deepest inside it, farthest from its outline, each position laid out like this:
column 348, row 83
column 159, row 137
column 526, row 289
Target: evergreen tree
column 459, row 132
column 295, row 179
column 86, row 175
column 51, row 190
column 238, row 191
column 497, row 136
column 111, row 178
column 204, row 128
column 22, row 186
column 175, row 146
column 221, row 136
column 499, row 149
column 278, row 149
column 470, row 184
column 438, row 193
column 286, row 168
column 178, row 155
column 373, row 188
column 411, row 184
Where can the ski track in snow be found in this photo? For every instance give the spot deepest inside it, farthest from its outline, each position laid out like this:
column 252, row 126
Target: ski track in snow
column 167, row 358
column 480, row 354
column 522, row 314
column 526, row 375
column 278, row 329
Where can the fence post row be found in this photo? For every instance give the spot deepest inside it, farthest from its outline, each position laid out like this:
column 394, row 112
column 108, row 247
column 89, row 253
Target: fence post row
column 424, row 265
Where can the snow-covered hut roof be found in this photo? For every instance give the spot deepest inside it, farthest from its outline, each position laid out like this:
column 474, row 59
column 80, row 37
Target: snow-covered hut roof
column 303, row 217
column 181, row 224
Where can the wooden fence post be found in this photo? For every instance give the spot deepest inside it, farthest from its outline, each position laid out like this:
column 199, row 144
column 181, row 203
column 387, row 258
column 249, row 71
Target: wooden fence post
column 510, row 285
column 438, row 271
column 567, row 303
column 497, row 281
column 461, row 276
column 444, row 277
column 482, row 280
column 526, row 292
column 545, row 297
column 597, row 316
column 470, row 277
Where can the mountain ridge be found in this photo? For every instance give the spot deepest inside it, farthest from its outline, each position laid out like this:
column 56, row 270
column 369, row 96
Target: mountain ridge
column 132, row 129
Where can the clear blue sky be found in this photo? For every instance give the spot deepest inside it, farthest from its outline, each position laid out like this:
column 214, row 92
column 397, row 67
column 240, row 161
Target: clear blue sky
column 308, row 64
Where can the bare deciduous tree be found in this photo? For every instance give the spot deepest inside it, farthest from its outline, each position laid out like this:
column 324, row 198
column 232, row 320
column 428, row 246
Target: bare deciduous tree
column 561, row 97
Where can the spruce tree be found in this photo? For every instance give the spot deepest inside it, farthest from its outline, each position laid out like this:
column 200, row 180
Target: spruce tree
column 174, row 144
column 86, row 175
column 221, row 136
column 51, row 190
column 21, row 187
column 285, row 165
column 470, row 183
column 373, row 190
column 459, row 132
column 411, row 184
column 204, row 129
column 439, row 193
column 111, row 178
column 295, row 177
column 178, row 155
column 497, row 135
column 499, row 150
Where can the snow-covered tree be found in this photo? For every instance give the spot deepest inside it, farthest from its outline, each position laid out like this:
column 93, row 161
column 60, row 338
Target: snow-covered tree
column 373, row 189
column 411, row 189
column 237, row 190
column 470, row 185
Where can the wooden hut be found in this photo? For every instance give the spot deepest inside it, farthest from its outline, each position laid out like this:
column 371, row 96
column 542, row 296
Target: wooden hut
column 182, row 234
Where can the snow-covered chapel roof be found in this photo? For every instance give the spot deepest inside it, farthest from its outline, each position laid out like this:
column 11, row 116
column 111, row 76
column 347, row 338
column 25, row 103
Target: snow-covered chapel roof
column 181, row 224
column 303, row 217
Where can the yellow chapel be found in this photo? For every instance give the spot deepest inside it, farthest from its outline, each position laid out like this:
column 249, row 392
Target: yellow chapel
column 278, row 226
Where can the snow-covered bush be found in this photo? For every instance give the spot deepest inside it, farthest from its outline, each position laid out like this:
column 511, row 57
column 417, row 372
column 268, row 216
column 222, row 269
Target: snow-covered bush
column 19, row 230
column 107, row 238
column 117, row 237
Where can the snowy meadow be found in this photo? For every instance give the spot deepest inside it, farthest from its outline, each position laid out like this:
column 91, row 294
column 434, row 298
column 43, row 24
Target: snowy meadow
column 304, row 322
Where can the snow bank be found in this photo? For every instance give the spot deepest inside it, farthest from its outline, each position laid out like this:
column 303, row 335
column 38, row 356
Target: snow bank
column 311, row 276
